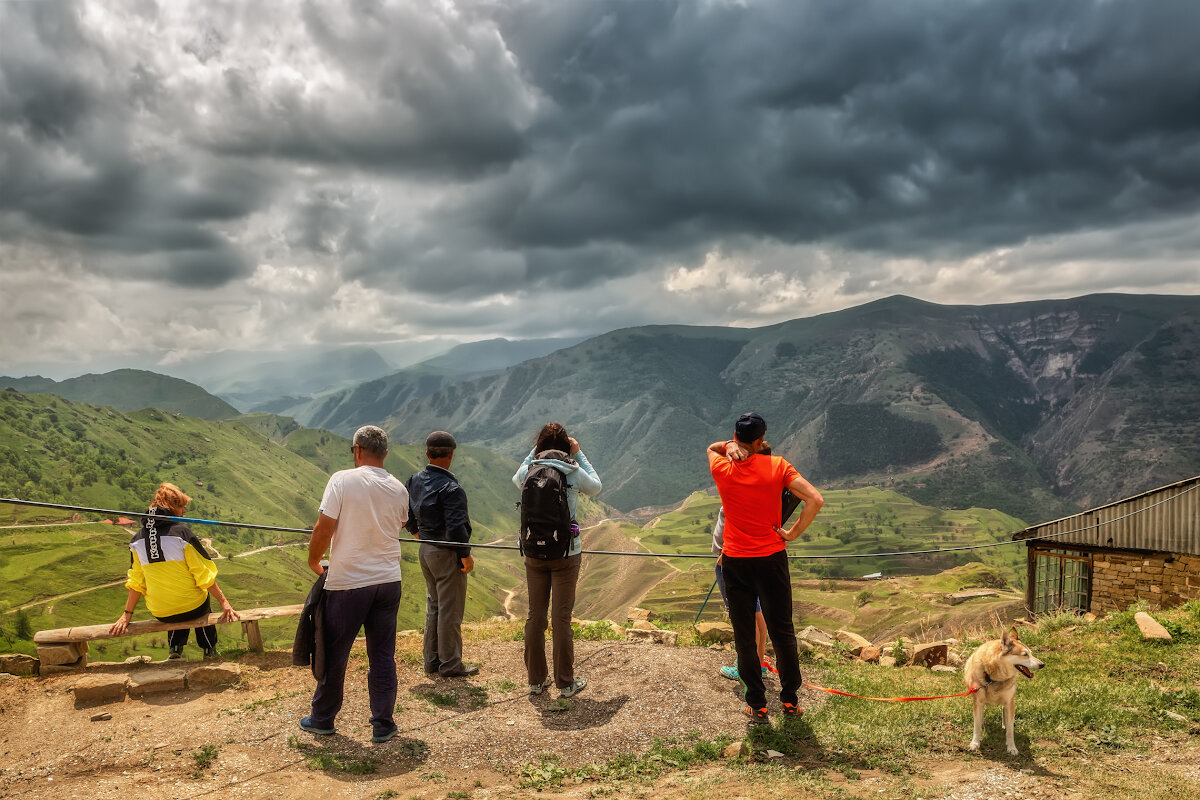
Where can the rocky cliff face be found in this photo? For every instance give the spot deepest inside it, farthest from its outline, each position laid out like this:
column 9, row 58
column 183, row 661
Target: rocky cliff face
column 1033, row 408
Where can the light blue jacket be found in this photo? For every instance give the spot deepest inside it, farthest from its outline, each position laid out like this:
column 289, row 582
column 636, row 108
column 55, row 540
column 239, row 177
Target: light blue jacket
column 581, row 477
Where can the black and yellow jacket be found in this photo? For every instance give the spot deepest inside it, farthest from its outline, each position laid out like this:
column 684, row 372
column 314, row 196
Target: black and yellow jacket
column 169, row 566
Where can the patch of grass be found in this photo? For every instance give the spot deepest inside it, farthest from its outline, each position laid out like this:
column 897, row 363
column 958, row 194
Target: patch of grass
column 433, row 776
column 328, row 761
column 595, row 631
column 457, row 795
column 504, row 685
column 206, row 755
column 477, row 696
column 442, row 700
column 664, row 755
column 387, row 794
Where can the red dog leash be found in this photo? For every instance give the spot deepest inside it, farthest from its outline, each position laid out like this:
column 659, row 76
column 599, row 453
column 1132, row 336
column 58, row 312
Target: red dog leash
column 973, row 690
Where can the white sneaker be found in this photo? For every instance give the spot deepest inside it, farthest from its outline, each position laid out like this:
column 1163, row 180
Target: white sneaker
column 575, row 688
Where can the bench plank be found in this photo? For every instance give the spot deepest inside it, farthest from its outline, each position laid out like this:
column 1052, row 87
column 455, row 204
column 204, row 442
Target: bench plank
column 86, row 633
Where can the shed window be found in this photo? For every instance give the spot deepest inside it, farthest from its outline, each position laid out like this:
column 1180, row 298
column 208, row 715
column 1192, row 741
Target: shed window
column 1062, row 580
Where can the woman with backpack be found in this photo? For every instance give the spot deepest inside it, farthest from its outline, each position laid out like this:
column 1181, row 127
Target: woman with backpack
column 550, row 480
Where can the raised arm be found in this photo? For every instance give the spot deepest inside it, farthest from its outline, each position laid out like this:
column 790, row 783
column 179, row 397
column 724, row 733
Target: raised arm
column 586, row 479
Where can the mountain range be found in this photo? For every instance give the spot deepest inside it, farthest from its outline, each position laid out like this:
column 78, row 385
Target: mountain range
column 1033, row 408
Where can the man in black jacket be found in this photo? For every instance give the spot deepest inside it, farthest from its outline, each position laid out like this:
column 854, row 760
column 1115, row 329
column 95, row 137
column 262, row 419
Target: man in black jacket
column 438, row 513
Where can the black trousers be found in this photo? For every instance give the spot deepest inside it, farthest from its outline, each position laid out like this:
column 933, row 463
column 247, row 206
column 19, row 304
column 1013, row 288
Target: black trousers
column 767, row 581
column 206, row 637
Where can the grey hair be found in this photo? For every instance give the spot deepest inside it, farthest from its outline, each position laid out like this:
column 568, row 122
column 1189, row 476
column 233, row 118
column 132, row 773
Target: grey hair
column 373, row 439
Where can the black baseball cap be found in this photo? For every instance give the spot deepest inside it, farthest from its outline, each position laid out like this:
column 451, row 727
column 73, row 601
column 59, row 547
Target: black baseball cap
column 750, row 427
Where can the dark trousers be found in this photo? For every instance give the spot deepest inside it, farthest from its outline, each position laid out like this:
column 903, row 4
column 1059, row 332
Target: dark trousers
column 767, row 579
column 206, row 637
column 555, row 578
column 445, row 602
column 372, row 608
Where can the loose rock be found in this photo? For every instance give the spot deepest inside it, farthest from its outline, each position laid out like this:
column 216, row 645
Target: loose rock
column 1150, row 627
column 856, row 642
column 714, row 632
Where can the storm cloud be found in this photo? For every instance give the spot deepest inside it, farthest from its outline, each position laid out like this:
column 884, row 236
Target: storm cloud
column 456, row 169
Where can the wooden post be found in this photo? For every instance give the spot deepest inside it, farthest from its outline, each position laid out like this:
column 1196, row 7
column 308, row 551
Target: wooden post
column 253, row 637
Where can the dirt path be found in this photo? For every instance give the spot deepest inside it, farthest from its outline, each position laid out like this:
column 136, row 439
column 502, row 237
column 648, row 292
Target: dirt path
column 57, row 597
column 268, row 547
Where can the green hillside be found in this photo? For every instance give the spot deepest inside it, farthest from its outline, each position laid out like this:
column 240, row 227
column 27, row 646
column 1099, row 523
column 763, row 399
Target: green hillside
column 261, row 471
column 130, row 390
column 867, row 520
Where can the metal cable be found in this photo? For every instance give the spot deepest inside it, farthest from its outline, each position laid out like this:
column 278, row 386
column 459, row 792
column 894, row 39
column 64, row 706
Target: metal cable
column 640, row 554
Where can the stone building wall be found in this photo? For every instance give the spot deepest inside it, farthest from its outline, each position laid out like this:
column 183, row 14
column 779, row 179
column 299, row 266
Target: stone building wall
column 1121, row 579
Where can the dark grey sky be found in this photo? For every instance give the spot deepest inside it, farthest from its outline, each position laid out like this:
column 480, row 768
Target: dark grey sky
column 179, row 178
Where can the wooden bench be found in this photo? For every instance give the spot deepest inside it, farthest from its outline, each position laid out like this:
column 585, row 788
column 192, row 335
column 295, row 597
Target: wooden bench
column 68, row 647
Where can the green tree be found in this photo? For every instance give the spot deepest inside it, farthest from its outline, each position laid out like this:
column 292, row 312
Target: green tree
column 24, row 628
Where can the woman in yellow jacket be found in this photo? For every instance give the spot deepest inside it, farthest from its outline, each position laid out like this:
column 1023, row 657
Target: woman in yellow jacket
column 170, row 566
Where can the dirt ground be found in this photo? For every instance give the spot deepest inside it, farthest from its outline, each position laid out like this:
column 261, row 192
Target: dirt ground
column 460, row 738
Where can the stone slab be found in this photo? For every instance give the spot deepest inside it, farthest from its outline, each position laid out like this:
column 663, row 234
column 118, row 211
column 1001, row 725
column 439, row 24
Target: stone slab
column 668, row 638
column 214, row 675
column 99, row 688
column 870, row 654
column 18, row 664
column 714, row 632
column 154, row 681
column 1150, row 627
column 68, row 654
column 816, row 636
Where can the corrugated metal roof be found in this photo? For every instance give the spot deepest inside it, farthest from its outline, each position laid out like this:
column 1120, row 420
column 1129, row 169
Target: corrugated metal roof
column 1166, row 520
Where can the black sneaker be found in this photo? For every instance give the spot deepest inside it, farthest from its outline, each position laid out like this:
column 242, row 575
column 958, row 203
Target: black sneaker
column 210, row 653
column 758, row 716
column 307, row 724
column 175, row 653
column 384, row 735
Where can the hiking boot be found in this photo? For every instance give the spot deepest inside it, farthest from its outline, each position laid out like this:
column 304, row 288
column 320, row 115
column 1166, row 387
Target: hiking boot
column 575, row 688
column 210, row 653
column 758, row 716
column 731, row 673
column 792, row 710
column 538, row 688
column 175, row 653
column 307, row 724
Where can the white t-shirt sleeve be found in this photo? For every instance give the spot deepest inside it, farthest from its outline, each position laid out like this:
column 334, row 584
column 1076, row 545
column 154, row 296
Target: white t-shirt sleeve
column 331, row 501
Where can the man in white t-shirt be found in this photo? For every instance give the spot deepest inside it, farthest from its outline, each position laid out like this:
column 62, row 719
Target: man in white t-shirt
column 362, row 513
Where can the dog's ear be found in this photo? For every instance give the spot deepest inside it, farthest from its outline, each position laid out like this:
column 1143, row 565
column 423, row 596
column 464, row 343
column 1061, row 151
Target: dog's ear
column 1008, row 639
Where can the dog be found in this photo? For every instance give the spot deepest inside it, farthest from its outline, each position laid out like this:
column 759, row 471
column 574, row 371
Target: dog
column 993, row 669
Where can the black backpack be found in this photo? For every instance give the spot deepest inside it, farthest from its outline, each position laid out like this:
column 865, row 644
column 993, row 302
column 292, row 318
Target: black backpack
column 545, row 515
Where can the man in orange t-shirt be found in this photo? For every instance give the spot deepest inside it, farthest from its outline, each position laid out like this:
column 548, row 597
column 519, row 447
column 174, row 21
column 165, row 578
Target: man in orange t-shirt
column 754, row 558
